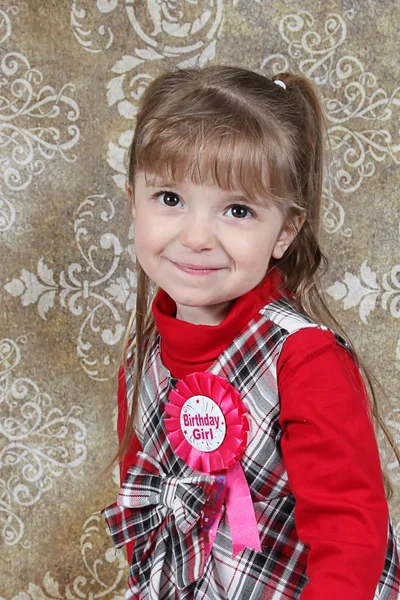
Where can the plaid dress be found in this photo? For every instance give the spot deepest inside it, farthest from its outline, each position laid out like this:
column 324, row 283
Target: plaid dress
column 161, row 500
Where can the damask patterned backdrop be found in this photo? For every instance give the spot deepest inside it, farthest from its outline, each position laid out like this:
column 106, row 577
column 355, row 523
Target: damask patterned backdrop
column 71, row 74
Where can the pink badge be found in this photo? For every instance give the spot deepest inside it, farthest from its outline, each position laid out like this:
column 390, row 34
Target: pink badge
column 207, row 428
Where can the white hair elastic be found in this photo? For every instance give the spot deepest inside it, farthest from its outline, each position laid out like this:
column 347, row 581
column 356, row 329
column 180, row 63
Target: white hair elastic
column 281, row 83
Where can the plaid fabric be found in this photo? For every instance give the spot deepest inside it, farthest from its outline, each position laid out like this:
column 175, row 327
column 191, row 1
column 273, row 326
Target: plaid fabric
column 140, row 513
column 278, row 571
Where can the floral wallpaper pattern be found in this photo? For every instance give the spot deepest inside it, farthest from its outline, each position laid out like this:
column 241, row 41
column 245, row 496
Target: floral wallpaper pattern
column 71, row 75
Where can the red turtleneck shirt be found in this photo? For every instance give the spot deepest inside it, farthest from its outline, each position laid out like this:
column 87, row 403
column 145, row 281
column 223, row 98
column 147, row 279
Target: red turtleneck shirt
column 328, row 442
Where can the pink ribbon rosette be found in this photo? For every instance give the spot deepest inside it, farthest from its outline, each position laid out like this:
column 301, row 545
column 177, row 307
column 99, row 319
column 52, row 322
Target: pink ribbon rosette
column 207, row 428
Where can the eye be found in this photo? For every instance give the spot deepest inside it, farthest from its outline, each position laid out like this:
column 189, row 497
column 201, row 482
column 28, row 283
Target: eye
column 241, row 211
column 167, row 198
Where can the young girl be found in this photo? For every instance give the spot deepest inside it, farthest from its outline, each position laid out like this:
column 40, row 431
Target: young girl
column 249, row 465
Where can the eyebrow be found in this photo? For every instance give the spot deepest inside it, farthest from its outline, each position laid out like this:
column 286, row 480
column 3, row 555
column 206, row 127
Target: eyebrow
column 160, row 183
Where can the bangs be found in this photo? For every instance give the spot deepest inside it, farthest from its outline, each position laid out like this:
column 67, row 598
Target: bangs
column 230, row 158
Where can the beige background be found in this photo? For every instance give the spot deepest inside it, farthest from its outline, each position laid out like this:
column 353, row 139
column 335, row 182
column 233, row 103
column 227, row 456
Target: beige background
column 70, row 77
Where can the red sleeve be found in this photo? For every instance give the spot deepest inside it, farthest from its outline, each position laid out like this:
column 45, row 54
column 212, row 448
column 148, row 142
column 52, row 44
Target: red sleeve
column 134, row 447
column 333, row 466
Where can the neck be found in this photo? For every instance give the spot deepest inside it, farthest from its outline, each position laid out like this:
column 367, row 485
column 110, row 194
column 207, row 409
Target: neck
column 206, row 315
column 193, row 345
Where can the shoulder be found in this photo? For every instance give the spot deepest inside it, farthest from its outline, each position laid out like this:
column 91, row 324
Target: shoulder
column 285, row 314
column 310, row 349
column 302, row 335
column 315, row 372
column 313, row 345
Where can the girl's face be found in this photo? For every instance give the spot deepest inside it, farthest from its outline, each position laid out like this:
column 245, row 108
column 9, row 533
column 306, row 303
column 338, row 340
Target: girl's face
column 203, row 245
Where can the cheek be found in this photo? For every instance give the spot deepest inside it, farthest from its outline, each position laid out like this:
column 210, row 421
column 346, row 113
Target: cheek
column 148, row 233
column 253, row 249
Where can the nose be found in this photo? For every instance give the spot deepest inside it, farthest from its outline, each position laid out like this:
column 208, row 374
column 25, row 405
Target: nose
column 197, row 233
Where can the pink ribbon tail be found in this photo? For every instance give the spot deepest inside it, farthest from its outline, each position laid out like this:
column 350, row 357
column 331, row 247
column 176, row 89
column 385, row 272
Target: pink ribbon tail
column 240, row 511
column 213, row 511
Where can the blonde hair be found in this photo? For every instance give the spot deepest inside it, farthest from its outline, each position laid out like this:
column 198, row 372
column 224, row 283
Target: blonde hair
column 237, row 129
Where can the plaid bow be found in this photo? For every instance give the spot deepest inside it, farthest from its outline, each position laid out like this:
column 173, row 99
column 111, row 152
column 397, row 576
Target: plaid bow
column 162, row 514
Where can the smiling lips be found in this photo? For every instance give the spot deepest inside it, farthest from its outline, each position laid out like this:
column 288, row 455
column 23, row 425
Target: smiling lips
column 196, row 270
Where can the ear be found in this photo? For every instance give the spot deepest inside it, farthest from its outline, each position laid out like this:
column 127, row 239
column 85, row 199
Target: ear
column 287, row 235
column 131, row 197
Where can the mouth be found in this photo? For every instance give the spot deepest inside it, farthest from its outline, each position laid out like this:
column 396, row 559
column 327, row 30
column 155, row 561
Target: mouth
column 195, row 270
